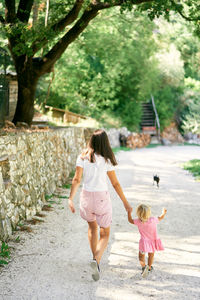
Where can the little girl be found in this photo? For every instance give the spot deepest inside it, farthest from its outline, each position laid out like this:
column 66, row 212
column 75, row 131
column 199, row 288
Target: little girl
column 149, row 241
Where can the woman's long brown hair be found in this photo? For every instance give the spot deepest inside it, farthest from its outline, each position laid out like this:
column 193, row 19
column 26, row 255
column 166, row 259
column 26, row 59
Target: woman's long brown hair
column 99, row 144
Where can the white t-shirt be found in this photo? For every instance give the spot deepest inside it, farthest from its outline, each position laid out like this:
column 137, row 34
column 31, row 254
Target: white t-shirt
column 94, row 174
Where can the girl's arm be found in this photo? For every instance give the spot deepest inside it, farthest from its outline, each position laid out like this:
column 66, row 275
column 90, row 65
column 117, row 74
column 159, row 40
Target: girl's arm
column 115, row 183
column 164, row 211
column 130, row 218
column 75, row 184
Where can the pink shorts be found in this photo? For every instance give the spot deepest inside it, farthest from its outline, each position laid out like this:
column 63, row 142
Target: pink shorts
column 96, row 206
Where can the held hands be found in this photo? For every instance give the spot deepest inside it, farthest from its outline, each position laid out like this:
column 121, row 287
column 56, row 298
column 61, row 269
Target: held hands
column 128, row 207
column 71, row 206
column 130, row 219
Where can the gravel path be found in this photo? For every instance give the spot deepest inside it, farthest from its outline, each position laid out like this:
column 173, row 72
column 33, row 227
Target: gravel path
column 52, row 262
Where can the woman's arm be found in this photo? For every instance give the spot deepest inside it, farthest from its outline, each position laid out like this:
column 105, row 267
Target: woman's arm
column 130, row 218
column 75, row 184
column 115, row 183
column 164, row 211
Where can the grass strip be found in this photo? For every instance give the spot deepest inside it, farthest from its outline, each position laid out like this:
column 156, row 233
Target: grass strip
column 193, row 166
column 153, row 145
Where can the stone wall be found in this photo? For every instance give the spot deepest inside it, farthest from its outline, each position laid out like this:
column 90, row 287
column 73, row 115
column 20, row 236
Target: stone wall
column 192, row 138
column 114, row 135
column 13, row 90
column 31, row 166
column 171, row 134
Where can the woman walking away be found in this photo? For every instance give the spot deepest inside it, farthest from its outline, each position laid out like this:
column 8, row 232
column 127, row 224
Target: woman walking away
column 149, row 241
column 96, row 164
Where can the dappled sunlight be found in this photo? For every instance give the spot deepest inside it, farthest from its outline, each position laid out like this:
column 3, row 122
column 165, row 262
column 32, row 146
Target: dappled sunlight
column 123, row 248
column 177, row 267
column 64, row 260
column 117, row 293
column 172, row 267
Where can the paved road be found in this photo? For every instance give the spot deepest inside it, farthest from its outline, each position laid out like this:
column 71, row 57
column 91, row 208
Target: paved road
column 52, row 262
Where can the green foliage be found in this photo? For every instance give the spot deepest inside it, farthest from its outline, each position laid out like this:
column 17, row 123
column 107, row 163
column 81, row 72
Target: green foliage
column 168, row 103
column 47, row 197
column 6, row 62
column 67, row 186
column 155, row 9
column 20, row 224
column 178, row 58
column 190, row 114
column 72, row 173
column 180, row 33
column 61, row 196
column 17, row 239
column 130, row 112
column 171, row 66
column 191, row 119
column 119, row 60
column 189, row 9
column 113, row 77
column 51, row 201
column 130, row 63
column 28, row 34
column 193, row 166
column 139, row 74
column 4, row 254
column 189, row 144
column 153, row 145
column 191, row 123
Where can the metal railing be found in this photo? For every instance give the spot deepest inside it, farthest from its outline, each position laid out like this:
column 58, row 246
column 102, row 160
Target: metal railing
column 157, row 118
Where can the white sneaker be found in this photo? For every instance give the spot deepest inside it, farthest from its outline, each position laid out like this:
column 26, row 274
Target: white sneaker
column 95, row 270
column 145, row 271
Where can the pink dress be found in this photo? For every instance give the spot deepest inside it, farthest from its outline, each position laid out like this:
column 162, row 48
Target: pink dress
column 149, row 241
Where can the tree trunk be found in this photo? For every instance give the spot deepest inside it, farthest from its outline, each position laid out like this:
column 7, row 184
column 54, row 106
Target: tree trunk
column 35, row 13
column 27, row 83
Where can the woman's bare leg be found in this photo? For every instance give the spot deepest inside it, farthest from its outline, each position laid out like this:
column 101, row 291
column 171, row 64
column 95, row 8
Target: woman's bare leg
column 150, row 259
column 102, row 243
column 93, row 236
column 97, row 245
column 142, row 259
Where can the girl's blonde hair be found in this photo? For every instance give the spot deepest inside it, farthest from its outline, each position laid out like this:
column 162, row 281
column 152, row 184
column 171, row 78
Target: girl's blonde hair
column 143, row 212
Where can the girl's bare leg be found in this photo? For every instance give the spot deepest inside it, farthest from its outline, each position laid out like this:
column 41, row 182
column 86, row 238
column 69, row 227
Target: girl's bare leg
column 150, row 259
column 142, row 259
column 93, row 236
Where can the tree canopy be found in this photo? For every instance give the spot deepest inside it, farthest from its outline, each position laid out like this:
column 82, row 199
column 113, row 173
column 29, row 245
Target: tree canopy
column 119, row 64
column 38, row 34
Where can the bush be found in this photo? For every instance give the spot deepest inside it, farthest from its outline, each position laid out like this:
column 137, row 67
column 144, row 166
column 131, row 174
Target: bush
column 193, row 166
column 168, row 104
column 190, row 114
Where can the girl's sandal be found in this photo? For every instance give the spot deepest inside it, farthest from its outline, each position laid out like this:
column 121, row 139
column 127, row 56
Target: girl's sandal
column 145, row 271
